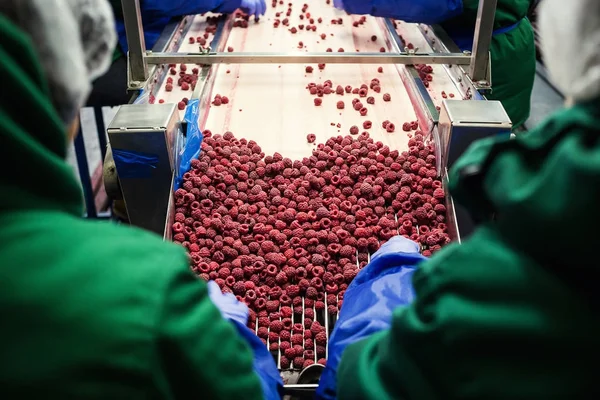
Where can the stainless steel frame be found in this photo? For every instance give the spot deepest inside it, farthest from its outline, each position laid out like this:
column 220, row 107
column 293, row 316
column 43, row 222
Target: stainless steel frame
column 302, row 58
column 139, row 57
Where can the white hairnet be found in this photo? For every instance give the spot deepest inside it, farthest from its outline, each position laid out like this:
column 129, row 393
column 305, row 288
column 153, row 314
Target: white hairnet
column 74, row 39
column 570, row 35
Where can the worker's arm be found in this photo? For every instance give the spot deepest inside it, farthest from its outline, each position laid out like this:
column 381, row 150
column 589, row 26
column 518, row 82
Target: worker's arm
column 422, row 11
column 175, row 8
column 201, row 354
column 486, row 323
column 501, row 315
column 380, row 287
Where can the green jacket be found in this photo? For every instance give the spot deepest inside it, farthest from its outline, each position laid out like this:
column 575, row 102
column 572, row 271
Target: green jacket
column 91, row 310
column 513, row 55
column 512, row 313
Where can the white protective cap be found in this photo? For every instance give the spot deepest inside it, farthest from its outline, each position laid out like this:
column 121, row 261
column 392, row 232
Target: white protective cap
column 74, row 39
column 570, row 36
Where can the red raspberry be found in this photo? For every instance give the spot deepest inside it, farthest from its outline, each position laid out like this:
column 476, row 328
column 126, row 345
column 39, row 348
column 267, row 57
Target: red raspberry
column 347, row 251
column 263, row 332
column 307, row 363
column 293, row 290
column 287, row 324
column 284, row 345
column 311, row 293
column 298, row 362
column 272, row 305
column 276, row 326
column 284, row 361
column 286, row 312
column 349, row 274
column 340, row 105
column 439, row 193
column 387, row 97
column 290, row 353
column 321, row 338
column 297, row 339
column 239, row 288
column 366, row 189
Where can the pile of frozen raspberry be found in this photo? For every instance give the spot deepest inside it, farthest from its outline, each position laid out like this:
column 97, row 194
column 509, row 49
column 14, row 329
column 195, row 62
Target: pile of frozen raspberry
column 287, row 237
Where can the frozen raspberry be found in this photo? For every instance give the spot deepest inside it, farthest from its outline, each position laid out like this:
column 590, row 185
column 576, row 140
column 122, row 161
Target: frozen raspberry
column 263, row 332
column 276, row 326
column 318, row 101
column 321, row 338
column 297, row 339
column 308, row 68
column 284, row 362
column 439, row 193
column 311, row 138
column 367, row 124
column 311, row 293
column 298, row 362
column 293, row 291
column 347, row 252
column 390, row 127
column 340, row 105
column 354, row 130
column 290, row 353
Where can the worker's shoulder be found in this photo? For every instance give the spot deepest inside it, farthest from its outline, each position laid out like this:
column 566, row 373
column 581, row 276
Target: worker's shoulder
column 92, row 252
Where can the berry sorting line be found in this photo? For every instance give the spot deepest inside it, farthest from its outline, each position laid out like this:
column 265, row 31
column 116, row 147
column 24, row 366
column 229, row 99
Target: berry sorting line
column 250, row 89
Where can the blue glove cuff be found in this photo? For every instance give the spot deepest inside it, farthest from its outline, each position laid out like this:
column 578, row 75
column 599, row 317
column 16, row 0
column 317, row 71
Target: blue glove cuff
column 264, row 365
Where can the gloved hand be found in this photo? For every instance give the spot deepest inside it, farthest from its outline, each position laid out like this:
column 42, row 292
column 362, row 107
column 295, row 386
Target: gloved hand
column 422, row 11
column 384, row 284
column 264, row 365
column 229, row 306
column 254, row 7
column 250, row 7
column 339, row 4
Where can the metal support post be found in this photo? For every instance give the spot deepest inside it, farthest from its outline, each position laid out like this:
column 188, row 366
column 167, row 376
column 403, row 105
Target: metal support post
column 84, row 175
column 132, row 16
column 479, row 70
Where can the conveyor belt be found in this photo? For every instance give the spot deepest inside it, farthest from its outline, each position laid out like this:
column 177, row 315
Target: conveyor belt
column 271, row 104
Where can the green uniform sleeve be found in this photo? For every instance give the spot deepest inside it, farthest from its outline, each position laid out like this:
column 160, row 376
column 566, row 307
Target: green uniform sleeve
column 486, row 323
column 512, row 312
column 200, row 353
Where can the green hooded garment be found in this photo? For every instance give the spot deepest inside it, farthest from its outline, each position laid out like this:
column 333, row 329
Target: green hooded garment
column 91, row 310
column 513, row 54
column 512, row 313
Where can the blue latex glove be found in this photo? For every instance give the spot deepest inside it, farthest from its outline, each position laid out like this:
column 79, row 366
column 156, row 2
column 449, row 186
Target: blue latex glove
column 254, row 7
column 229, row 306
column 264, row 365
column 422, row 11
column 339, row 4
column 384, row 284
